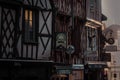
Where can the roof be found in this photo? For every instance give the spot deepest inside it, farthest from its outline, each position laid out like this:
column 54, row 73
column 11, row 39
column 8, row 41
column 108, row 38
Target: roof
column 103, row 17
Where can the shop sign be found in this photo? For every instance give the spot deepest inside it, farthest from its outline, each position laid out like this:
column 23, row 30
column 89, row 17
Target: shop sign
column 63, row 71
column 61, row 40
column 111, row 48
column 78, row 66
column 97, row 65
column 111, row 41
column 70, row 49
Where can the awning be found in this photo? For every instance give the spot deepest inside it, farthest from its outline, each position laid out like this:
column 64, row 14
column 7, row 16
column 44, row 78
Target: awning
column 78, row 66
column 96, row 64
column 63, row 69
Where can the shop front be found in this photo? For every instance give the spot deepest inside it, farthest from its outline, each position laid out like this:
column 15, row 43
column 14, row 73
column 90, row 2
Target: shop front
column 70, row 72
column 94, row 70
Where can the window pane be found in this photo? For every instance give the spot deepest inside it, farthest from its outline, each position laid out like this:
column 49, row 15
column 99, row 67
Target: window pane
column 26, row 14
column 31, row 35
column 30, row 13
column 30, row 26
column 30, row 18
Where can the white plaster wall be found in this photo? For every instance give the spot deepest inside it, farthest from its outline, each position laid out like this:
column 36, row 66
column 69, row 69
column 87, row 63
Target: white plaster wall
column 111, row 8
column 115, row 55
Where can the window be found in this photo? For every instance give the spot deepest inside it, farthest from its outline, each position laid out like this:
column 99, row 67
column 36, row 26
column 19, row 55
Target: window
column 30, row 25
column 91, row 39
column 115, row 75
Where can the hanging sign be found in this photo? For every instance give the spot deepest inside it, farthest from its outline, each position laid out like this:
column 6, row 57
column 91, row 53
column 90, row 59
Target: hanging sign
column 111, row 41
column 70, row 49
column 61, row 40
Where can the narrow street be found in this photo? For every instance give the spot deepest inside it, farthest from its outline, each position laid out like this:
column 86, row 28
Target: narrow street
column 59, row 40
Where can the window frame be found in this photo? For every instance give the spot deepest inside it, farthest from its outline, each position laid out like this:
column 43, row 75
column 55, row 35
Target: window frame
column 91, row 32
column 35, row 25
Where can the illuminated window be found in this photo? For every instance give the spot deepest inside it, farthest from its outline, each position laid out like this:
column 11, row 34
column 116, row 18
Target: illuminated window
column 30, row 25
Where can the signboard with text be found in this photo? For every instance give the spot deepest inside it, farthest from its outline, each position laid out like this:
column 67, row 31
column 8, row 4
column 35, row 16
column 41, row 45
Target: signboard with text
column 111, row 48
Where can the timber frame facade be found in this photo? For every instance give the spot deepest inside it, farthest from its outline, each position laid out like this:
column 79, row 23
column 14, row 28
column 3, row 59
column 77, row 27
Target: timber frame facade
column 26, row 39
column 70, row 18
column 26, row 29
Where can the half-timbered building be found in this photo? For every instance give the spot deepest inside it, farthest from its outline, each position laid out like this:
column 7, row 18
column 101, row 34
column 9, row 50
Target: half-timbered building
column 25, row 39
column 38, row 34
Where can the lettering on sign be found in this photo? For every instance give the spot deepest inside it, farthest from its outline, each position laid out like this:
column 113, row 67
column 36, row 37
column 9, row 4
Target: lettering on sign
column 111, row 48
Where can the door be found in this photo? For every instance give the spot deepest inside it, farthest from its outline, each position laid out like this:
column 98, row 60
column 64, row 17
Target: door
column 8, row 24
